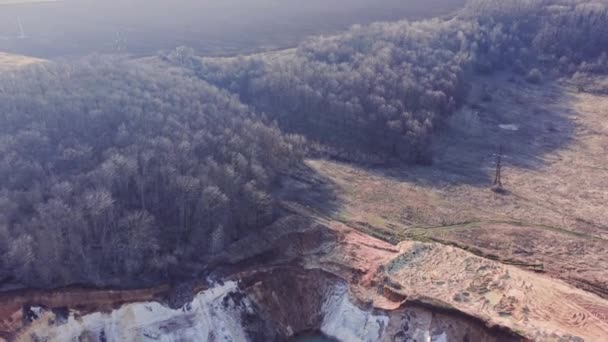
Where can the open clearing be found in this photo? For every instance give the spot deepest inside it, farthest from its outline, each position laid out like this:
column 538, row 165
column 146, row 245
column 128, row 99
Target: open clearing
column 553, row 218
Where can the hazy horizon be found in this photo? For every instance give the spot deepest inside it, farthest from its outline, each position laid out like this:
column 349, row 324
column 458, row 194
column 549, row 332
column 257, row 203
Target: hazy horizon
column 66, row 28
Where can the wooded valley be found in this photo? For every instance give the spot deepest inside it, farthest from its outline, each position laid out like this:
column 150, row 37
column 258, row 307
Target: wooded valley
column 112, row 172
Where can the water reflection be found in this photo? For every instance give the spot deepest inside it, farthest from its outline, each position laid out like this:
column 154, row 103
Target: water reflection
column 313, row 337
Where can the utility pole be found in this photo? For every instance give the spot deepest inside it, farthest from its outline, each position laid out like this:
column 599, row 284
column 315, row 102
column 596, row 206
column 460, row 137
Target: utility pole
column 20, row 26
column 497, row 186
column 119, row 42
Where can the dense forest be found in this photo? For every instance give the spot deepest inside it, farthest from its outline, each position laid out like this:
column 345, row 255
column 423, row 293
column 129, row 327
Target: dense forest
column 113, row 172
column 110, row 171
column 385, row 89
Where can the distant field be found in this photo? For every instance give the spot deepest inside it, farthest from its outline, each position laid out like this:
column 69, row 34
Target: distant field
column 10, row 61
column 12, row 2
column 66, row 28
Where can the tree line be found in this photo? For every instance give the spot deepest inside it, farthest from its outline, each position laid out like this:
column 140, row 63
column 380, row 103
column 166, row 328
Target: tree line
column 385, row 90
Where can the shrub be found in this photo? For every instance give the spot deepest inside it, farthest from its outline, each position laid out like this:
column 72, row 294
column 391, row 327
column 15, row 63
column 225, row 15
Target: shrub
column 534, row 76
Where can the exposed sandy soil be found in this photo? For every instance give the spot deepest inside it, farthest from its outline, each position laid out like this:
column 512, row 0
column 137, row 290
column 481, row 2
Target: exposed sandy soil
column 578, row 260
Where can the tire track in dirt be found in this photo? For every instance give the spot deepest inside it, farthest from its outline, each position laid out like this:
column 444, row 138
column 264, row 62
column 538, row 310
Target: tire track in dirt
column 593, row 310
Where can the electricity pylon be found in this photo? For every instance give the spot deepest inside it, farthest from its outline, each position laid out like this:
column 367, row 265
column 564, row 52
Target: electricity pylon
column 497, row 185
column 20, row 26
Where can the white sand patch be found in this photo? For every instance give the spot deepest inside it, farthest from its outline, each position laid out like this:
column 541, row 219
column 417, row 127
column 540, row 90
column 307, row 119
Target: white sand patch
column 345, row 321
column 509, row 127
column 211, row 313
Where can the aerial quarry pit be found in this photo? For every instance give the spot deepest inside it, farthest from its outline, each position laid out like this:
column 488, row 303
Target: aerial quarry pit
column 501, row 234
column 396, row 257
column 325, row 276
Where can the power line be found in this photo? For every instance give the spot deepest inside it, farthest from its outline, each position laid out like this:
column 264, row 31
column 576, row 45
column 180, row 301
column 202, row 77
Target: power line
column 119, row 42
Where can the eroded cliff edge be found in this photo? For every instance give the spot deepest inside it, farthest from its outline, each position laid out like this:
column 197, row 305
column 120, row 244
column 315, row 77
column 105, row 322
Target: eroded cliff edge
column 270, row 305
column 307, row 274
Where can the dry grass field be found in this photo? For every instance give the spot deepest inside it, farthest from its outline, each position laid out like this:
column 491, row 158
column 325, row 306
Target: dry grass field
column 552, row 218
